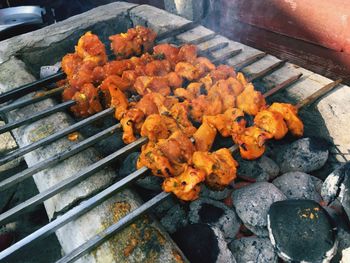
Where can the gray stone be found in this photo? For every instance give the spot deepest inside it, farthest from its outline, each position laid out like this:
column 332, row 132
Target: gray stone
column 215, row 213
column 190, row 9
column 159, row 20
column 304, row 155
column 253, row 202
column 215, row 195
column 174, row 219
column 253, row 249
column 296, row 185
column 262, row 169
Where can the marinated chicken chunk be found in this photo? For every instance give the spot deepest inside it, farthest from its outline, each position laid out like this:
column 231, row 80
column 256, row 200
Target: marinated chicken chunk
column 252, row 142
column 219, row 166
column 204, row 137
column 290, row 115
column 251, row 101
column 272, row 122
column 186, row 185
column 133, row 43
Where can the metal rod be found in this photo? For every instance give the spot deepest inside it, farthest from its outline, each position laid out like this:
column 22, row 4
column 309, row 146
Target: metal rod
column 283, row 85
column 76, row 148
column 201, row 39
column 249, row 61
column 212, row 48
column 111, row 230
column 227, row 56
column 37, row 116
column 53, row 137
column 35, row 98
column 73, row 213
column 177, row 31
column 68, row 182
column 318, row 94
column 267, row 71
column 25, row 89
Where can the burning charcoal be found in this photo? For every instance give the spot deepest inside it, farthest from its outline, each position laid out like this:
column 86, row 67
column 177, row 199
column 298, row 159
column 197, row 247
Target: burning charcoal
column 304, row 155
column 129, row 164
column 174, row 219
column 252, row 204
column 262, row 169
column 203, row 244
column 301, row 231
column 317, row 183
column 161, row 209
column 337, row 185
column 297, row 185
column 215, row 195
column 253, row 249
column 216, row 214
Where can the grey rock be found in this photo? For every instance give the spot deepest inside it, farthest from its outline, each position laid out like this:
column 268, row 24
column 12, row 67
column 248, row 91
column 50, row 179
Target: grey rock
column 215, row 213
column 304, row 155
column 190, row 9
column 215, row 195
column 262, row 169
column 297, row 185
column 253, row 202
column 174, row 219
column 253, row 249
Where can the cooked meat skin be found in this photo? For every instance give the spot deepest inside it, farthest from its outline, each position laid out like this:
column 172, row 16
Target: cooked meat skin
column 185, row 186
column 132, row 43
column 154, row 128
column 219, row 166
column 87, row 102
column 90, row 48
column 272, row 122
column 289, row 113
column 131, row 123
column 252, row 142
column 147, row 84
column 251, row 101
column 204, row 137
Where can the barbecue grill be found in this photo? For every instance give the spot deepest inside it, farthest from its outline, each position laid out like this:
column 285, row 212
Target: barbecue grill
column 269, row 74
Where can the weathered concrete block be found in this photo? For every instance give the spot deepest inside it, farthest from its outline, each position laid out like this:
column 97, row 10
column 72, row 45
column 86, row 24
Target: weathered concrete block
column 190, row 9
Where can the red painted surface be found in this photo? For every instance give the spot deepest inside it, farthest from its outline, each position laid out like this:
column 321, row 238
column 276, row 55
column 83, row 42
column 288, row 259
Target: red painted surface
column 323, row 22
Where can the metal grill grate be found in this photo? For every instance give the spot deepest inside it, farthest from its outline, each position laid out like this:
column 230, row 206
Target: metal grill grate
column 78, row 147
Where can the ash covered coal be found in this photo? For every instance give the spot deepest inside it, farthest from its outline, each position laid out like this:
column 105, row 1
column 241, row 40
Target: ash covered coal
column 302, row 231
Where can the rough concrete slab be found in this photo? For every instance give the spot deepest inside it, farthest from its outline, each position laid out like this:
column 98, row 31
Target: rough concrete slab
column 47, row 45
column 159, row 20
column 190, row 9
column 193, row 34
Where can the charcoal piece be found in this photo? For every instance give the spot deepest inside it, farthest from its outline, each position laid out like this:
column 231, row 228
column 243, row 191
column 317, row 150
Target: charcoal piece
column 297, row 185
column 301, row 230
column 213, row 194
column 129, row 164
column 253, row 249
column 337, row 185
column 252, row 204
column 203, row 244
column 174, row 219
column 262, row 169
column 304, row 155
column 215, row 213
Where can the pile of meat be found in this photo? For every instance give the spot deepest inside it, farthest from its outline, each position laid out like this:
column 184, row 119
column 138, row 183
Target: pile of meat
column 185, row 100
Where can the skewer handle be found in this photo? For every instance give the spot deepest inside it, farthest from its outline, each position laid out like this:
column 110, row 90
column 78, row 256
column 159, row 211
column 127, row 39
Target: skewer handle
column 313, row 97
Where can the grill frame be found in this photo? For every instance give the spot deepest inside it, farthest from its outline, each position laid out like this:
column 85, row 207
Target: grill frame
column 78, row 252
